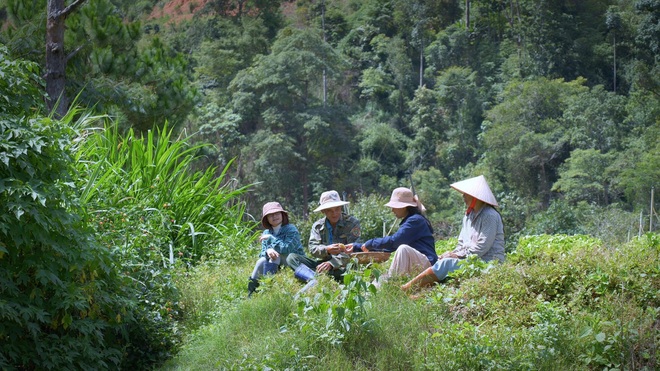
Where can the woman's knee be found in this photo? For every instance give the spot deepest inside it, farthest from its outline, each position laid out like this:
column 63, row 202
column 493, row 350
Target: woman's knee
column 443, row 267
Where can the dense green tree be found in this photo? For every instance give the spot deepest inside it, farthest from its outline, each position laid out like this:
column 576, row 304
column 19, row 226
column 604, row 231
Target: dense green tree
column 597, row 119
column 524, row 136
column 282, row 94
column 638, row 167
column 428, row 124
column 220, row 58
column 451, row 47
column 106, row 67
column 382, row 149
column 462, row 111
column 584, row 177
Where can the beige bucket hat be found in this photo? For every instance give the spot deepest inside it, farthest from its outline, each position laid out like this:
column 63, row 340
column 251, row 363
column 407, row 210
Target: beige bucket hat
column 403, row 197
column 476, row 187
column 272, row 208
column 329, row 200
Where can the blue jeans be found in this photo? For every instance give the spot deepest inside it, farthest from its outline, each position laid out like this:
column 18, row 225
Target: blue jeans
column 443, row 267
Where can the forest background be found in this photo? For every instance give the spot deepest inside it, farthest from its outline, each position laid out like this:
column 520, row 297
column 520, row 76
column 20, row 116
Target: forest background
column 555, row 102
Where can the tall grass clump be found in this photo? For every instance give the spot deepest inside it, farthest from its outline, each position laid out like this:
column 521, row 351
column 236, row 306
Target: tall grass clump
column 146, row 182
column 159, row 218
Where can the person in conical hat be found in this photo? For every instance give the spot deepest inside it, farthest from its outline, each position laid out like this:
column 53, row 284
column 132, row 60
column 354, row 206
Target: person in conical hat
column 329, row 237
column 278, row 240
column 413, row 241
column 482, row 233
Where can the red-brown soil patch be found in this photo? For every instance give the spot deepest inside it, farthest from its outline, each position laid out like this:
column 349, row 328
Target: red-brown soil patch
column 177, row 10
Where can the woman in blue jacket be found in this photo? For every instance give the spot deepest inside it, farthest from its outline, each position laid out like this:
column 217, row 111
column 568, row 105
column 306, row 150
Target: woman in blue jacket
column 278, row 240
column 413, row 242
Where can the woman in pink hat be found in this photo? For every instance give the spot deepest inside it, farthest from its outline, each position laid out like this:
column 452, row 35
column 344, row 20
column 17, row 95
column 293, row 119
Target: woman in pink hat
column 482, row 233
column 413, row 241
column 278, row 240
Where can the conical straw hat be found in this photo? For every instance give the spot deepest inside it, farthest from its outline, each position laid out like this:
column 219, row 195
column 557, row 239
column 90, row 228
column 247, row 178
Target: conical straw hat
column 476, row 187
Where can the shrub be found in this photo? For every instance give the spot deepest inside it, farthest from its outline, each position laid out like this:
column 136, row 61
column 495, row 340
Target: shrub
column 62, row 302
column 372, row 213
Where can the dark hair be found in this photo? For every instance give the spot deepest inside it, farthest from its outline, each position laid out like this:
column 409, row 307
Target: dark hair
column 285, row 220
column 412, row 210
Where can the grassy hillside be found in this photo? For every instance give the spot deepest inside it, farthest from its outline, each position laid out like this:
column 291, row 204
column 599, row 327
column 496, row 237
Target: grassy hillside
column 558, row 302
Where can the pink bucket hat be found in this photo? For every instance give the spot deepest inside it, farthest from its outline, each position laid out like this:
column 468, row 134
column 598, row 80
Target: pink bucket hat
column 272, row 208
column 476, row 187
column 329, row 200
column 403, row 197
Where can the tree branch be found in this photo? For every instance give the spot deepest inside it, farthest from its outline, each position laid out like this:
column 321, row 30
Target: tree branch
column 73, row 53
column 69, row 9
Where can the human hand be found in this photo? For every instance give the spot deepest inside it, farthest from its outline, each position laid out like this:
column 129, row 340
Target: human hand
column 324, row 267
column 264, row 237
column 335, row 249
column 349, row 248
column 272, row 254
column 449, row 254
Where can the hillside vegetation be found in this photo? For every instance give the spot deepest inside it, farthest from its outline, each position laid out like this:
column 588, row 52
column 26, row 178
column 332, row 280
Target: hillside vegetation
column 558, row 302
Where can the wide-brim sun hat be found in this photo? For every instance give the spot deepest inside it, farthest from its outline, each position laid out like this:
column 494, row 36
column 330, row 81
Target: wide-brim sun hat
column 329, row 200
column 403, row 197
column 476, row 187
column 272, row 208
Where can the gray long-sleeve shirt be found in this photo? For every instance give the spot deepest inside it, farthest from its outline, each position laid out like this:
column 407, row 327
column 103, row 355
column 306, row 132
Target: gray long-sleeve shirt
column 482, row 234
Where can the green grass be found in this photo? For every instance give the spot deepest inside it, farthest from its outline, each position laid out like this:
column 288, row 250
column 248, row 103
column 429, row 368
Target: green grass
column 560, row 302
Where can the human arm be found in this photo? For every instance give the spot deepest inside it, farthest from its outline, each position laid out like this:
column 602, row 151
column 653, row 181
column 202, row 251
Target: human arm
column 315, row 244
column 451, row 254
column 287, row 241
column 409, row 231
column 348, row 232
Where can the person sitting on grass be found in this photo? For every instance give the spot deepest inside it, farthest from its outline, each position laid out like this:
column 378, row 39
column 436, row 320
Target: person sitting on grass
column 278, row 240
column 482, row 233
column 328, row 238
column 413, row 241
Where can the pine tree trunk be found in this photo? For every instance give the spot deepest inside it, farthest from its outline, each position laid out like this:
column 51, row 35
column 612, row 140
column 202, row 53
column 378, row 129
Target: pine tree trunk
column 55, row 55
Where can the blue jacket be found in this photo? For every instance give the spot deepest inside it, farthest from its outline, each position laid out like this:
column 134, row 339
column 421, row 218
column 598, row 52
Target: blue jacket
column 286, row 241
column 413, row 231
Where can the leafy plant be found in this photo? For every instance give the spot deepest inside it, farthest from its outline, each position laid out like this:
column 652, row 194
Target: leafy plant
column 63, row 304
column 130, row 178
column 375, row 218
column 146, row 204
column 331, row 315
